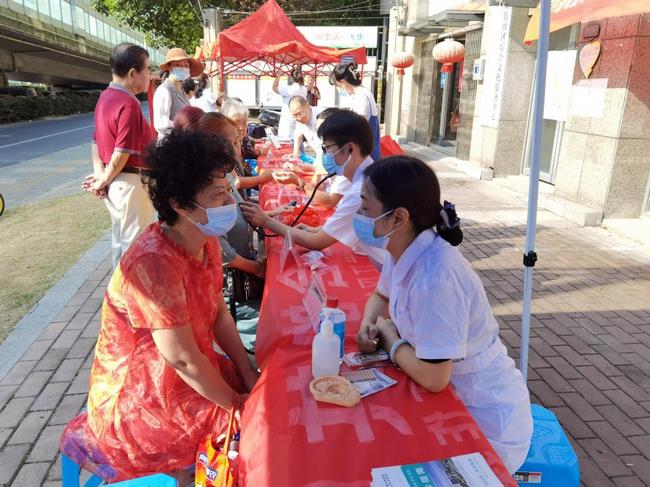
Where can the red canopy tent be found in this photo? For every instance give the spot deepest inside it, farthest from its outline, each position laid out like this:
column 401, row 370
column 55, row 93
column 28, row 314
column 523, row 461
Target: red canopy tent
column 267, row 43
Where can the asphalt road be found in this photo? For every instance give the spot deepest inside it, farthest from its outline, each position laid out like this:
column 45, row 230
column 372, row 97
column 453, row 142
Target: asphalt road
column 44, row 159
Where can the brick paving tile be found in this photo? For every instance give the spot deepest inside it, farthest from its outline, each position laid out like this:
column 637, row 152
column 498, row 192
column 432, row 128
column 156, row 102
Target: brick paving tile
column 621, row 422
column 639, row 465
column 590, row 393
column 628, row 482
column 604, row 366
column 55, row 470
column 612, row 356
column 11, row 458
column 91, row 306
column 555, row 380
column 66, row 314
column 80, row 384
column 605, row 458
column 66, row 339
column 546, row 395
column 14, row 411
column 51, row 359
column 68, row 408
column 31, row 474
column 631, row 388
column 49, row 398
column 33, row 384
column 47, row 446
column 30, row 427
column 80, row 321
column 566, row 370
column 91, row 330
column 627, row 404
column 571, row 422
column 591, row 475
column 571, row 356
column 37, row 350
column 582, row 408
column 5, row 433
column 596, row 377
column 78, row 299
column 82, row 348
column 5, row 394
column 18, row 373
column 52, row 331
column 68, row 370
column 618, row 443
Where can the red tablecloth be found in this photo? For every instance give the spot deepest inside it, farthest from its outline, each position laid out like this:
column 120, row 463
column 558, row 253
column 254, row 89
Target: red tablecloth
column 289, row 439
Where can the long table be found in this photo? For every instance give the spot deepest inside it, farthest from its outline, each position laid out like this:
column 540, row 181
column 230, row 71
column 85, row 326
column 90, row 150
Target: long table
column 289, row 439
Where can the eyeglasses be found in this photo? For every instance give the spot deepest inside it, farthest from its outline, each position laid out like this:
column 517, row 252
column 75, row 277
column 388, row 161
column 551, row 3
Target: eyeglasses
column 325, row 147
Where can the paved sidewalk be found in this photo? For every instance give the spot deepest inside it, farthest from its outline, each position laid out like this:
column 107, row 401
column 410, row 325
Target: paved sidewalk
column 590, row 340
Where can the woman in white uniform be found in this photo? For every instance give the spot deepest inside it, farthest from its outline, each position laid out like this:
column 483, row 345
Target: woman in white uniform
column 347, row 78
column 430, row 311
column 297, row 88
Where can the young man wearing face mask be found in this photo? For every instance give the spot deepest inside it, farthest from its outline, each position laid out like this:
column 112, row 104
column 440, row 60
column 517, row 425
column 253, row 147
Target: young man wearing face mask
column 170, row 98
column 347, row 145
column 119, row 141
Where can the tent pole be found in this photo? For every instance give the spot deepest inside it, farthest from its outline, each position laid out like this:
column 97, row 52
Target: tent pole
column 531, row 221
column 222, row 76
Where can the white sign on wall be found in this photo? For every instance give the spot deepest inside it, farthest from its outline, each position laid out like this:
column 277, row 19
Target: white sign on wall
column 437, row 6
column 341, row 37
column 559, row 80
column 588, row 98
column 495, row 68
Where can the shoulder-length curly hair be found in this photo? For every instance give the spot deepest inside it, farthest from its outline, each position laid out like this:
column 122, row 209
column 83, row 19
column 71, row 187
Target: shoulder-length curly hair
column 183, row 164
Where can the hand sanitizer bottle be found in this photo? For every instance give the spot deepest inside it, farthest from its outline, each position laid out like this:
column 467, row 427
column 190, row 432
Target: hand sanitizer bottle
column 325, row 351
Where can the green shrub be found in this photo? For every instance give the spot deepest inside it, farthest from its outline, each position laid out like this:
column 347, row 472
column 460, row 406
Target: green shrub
column 19, row 108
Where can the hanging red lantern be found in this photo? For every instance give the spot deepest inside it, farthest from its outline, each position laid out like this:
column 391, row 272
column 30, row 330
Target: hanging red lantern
column 401, row 61
column 447, row 53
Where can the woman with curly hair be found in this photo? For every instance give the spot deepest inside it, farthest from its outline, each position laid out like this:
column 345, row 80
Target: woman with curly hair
column 157, row 386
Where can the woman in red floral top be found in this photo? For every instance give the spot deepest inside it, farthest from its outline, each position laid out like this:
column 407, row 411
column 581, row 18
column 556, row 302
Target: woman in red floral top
column 157, row 386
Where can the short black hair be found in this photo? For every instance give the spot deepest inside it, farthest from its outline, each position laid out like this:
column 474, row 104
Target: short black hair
column 183, row 164
column 407, row 182
column 348, row 72
column 189, row 85
column 327, row 112
column 126, row 56
column 345, row 126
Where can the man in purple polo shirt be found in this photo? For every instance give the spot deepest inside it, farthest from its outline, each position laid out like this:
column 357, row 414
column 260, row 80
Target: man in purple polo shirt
column 119, row 143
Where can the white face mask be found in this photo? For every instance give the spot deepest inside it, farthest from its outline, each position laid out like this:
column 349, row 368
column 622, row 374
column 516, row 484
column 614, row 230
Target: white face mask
column 180, row 74
column 220, row 220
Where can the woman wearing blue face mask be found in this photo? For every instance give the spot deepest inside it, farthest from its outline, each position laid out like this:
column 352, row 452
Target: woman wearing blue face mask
column 157, row 386
column 170, row 98
column 347, row 144
column 430, row 311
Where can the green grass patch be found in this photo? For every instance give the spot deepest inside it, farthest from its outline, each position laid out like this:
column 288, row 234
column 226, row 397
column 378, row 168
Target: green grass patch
column 39, row 242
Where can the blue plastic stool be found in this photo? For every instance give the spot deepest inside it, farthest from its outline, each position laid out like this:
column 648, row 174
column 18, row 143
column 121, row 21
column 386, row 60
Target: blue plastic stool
column 70, row 475
column 551, row 461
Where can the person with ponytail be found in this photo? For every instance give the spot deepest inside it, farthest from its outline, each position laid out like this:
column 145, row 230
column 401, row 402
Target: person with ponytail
column 430, row 311
column 347, row 78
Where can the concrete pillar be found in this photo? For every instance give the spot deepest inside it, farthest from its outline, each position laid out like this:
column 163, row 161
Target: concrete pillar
column 391, row 112
column 212, row 25
column 604, row 159
column 502, row 148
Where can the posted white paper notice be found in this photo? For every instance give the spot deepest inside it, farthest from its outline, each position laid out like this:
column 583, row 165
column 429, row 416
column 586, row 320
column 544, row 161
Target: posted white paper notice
column 588, row 98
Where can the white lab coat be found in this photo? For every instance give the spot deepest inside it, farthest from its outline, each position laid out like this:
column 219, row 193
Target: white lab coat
column 440, row 307
column 339, row 225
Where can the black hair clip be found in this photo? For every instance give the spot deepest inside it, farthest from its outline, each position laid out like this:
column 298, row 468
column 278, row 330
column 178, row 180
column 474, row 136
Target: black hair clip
column 448, row 215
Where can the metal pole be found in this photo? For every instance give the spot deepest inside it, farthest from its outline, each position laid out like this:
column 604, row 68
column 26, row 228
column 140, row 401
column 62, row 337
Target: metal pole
column 446, row 92
column 531, row 221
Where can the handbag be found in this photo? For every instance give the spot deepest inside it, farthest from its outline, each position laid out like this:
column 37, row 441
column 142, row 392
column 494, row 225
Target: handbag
column 214, row 468
column 245, row 287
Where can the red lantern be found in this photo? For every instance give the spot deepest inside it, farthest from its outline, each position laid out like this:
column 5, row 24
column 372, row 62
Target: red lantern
column 402, row 60
column 447, row 53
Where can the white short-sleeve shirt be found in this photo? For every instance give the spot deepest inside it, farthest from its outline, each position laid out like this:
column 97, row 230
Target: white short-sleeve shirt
column 309, row 131
column 439, row 306
column 287, row 124
column 363, row 103
column 339, row 225
column 340, row 185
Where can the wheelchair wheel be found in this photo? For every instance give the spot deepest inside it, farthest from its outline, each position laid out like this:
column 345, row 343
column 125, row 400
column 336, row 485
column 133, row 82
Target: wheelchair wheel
column 2, row 205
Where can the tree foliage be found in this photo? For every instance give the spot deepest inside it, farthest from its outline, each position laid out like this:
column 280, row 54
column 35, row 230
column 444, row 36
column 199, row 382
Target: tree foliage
column 176, row 23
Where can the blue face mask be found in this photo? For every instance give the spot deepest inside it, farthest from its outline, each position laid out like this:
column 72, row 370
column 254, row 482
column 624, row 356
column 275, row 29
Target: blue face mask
column 181, row 74
column 220, row 220
column 364, row 227
column 330, row 165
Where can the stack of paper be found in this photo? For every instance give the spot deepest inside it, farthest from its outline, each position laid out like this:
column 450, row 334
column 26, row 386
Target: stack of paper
column 469, row 470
